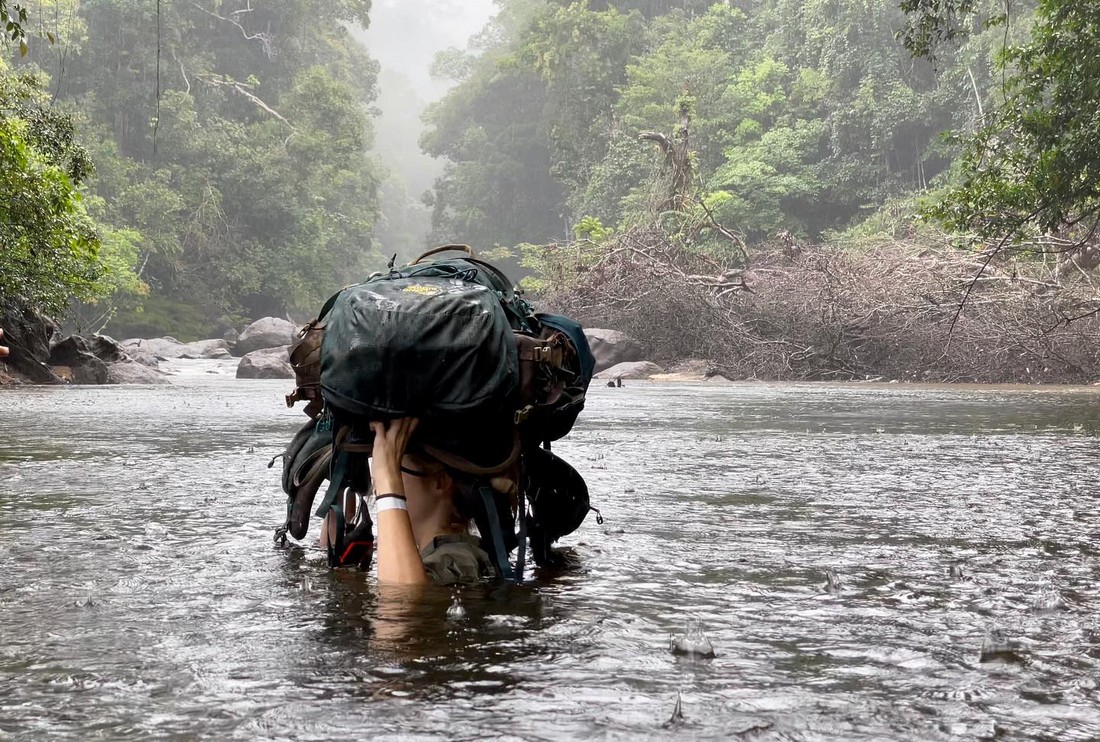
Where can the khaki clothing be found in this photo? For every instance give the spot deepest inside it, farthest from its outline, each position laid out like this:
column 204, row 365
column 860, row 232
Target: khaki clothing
column 455, row 560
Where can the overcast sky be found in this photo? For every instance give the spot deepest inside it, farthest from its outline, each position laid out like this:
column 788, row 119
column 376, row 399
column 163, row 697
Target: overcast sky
column 405, row 35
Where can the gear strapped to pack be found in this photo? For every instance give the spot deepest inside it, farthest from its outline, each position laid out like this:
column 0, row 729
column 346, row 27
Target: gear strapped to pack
column 451, row 342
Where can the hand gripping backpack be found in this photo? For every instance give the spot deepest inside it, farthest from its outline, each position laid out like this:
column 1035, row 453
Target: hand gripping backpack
column 450, row 342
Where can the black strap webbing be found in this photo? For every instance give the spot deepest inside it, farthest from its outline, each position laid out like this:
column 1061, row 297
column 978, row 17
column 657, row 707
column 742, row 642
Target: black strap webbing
column 332, row 501
column 521, row 547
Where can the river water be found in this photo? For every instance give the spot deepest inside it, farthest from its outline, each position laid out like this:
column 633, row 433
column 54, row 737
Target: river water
column 868, row 562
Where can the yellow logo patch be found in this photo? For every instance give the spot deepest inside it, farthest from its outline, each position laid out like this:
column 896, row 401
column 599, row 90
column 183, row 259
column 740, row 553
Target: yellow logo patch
column 423, row 290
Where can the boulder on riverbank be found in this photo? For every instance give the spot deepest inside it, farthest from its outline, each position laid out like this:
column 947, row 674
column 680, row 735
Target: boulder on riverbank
column 27, row 334
column 269, row 363
column 611, row 347
column 74, row 360
column 213, row 349
column 99, row 359
column 265, row 334
column 631, row 370
column 150, row 351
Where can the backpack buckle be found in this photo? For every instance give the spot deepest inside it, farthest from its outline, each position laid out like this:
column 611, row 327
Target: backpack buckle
column 548, row 354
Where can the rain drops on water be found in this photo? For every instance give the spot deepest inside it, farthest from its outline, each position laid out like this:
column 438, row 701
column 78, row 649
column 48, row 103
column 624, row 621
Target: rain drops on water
column 1049, row 601
column 997, row 646
column 692, row 643
column 456, row 612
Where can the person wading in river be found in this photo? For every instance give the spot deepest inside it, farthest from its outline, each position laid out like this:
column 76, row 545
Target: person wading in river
column 449, row 341
column 422, row 536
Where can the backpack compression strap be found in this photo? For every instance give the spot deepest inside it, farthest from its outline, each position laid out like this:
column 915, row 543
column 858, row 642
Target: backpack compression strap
column 465, row 466
column 332, row 502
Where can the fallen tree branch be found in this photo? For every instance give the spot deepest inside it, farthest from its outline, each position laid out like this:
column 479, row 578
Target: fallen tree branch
column 244, row 90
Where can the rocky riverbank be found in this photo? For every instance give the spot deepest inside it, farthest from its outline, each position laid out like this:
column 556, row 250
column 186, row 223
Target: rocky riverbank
column 42, row 354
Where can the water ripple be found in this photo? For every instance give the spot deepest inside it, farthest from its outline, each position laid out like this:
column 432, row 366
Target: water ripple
column 852, row 554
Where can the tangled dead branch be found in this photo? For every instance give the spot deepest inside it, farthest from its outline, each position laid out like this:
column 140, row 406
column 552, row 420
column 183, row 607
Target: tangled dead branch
column 815, row 312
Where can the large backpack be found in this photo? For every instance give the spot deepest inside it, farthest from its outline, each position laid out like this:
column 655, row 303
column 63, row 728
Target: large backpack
column 451, row 342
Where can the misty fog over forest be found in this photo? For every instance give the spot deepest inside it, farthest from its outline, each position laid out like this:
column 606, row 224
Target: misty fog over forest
column 405, row 39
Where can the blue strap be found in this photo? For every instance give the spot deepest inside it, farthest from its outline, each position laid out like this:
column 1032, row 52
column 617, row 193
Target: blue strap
column 497, row 536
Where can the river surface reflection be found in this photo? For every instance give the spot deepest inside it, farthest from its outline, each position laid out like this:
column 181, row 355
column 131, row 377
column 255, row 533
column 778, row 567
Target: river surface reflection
column 141, row 596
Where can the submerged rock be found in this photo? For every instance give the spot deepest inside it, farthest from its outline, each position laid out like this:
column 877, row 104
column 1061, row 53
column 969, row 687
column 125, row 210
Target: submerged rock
column 131, row 372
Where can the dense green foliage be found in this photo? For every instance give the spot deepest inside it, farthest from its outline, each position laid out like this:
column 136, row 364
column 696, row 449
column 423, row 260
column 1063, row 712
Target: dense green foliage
column 230, row 142
column 1033, row 169
column 50, row 248
column 804, row 117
